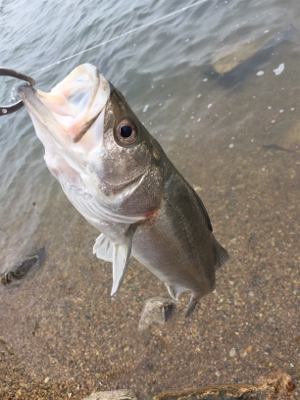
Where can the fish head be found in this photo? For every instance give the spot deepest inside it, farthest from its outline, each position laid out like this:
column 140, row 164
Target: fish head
column 95, row 143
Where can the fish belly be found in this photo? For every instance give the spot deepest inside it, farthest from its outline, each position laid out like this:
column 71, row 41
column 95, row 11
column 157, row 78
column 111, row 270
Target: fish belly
column 177, row 244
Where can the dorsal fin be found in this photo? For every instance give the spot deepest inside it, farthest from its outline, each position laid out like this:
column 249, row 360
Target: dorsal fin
column 204, row 212
column 223, row 256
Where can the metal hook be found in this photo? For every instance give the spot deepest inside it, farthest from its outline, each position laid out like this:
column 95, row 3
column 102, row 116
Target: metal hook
column 4, row 110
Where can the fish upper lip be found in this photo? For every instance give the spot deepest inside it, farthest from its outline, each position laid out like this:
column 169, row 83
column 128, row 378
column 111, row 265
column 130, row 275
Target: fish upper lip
column 23, row 91
column 39, row 111
column 31, row 101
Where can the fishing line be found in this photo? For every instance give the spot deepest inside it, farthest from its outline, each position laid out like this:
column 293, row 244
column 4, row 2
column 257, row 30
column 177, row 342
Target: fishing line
column 121, row 35
column 9, row 109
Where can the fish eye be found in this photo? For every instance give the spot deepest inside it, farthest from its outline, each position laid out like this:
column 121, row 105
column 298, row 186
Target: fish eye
column 126, row 132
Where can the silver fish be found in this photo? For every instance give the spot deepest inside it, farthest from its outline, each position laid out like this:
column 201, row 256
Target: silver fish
column 119, row 178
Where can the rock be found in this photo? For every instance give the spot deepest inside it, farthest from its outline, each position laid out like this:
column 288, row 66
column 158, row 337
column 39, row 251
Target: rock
column 277, row 387
column 228, row 57
column 122, row 394
column 232, row 352
column 155, row 311
column 233, row 63
column 22, row 266
column 281, row 382
column 19, row 269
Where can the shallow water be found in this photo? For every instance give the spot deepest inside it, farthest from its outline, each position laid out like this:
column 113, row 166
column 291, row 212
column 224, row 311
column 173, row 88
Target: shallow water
column 237, row 144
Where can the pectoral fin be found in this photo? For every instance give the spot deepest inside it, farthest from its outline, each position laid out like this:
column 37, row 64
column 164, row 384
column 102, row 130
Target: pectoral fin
column 121, row 256
column 118, row 254
column 103, row 248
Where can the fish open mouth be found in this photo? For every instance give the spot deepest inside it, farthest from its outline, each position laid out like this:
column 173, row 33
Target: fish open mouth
column 72, row 106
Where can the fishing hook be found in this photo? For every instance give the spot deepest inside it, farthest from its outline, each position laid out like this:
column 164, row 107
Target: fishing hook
column 4, row 110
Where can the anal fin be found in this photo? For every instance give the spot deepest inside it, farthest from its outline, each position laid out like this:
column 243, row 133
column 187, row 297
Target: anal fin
column 175, row 291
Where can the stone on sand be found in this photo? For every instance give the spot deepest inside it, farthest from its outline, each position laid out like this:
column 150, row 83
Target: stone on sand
column 154, row 311
column 122, row 394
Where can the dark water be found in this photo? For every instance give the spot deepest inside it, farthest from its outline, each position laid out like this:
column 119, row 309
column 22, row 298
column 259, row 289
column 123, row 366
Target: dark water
column 235, row 141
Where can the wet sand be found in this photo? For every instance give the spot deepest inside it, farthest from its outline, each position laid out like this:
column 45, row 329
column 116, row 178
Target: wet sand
column 63, row 336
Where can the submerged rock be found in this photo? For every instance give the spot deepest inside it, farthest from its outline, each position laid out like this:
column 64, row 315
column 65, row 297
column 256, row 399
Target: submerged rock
column 233, row 63
column 277, row 386
column 22, row 267
column 156, row 310
column 122, row 394
column 229, row 57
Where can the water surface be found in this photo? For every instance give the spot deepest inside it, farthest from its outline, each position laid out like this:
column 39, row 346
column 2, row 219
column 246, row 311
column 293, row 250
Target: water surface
column 237, row 144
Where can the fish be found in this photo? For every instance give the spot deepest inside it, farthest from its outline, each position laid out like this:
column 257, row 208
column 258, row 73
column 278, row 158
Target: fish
column 120, row 179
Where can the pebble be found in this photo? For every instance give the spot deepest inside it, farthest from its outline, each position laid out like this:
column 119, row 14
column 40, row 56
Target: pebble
column 121, row 394
column 232, row 352
column 154, row 311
